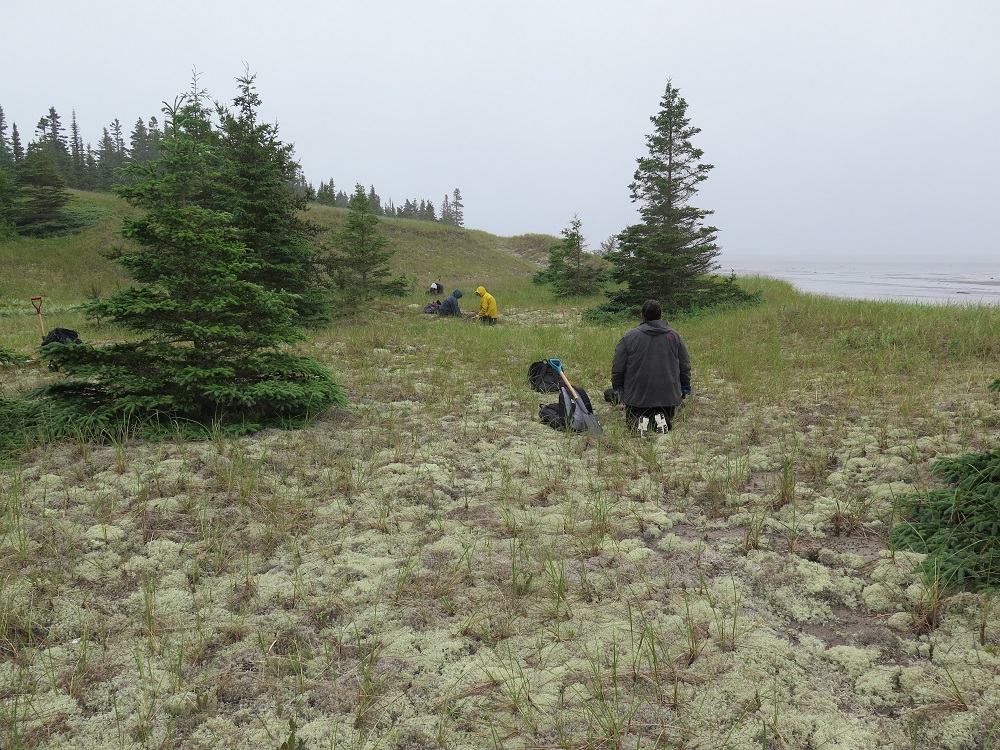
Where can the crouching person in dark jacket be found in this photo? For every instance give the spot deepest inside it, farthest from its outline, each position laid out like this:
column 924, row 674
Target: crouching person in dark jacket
column 450, row 304
column 651, row 370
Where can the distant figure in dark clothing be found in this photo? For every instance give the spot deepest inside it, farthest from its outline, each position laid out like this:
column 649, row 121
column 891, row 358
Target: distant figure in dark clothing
column 651, row 372
column 450, row 304
column 436, row 288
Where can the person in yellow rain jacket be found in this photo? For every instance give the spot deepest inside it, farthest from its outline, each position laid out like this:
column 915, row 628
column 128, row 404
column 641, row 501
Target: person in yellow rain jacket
column 487, row 306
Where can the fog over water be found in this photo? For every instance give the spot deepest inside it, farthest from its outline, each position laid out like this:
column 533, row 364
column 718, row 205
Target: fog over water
column 931, row 282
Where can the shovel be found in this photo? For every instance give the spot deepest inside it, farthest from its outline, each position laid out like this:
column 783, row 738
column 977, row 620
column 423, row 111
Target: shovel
column 588, row 417
column 36, row 302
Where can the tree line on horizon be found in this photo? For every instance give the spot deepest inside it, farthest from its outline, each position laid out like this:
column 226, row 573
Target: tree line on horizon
column 35, row 176
column 81, row 165
column 452, row 210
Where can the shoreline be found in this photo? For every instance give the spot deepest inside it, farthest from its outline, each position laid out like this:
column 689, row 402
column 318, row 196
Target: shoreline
column 966, row 284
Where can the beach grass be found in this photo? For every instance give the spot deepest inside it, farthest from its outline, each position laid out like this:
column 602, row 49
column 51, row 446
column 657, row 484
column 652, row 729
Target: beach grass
column 429, row 566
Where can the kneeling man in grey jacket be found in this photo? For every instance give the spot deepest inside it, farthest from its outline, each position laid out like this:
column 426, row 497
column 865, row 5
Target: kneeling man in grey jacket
column 651, row 372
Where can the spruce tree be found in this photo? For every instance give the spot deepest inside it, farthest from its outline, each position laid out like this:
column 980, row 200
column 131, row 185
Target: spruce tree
column 78, row 156
column 572, row 271
column 110, row 160
column 255, row 186
column 670, row 256
column 210, row 344
column 326, row 195
column 457, row 209
column 142, row 142
column 16, row 148
column 50, row 138
column 429, row 212
column 359, row 262
column 153, row 129
column 90, row 167
column 374, row 201
column 9, row 193
column 446, row 215
column 138, row 139
column 6, row 153
column 41, row 195
column 118, row 136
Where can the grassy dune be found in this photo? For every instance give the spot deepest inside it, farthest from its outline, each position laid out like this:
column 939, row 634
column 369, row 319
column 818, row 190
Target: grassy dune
column 431, row 567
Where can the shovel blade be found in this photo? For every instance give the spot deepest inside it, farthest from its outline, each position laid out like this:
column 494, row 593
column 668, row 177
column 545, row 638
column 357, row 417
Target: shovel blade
column 589, row 418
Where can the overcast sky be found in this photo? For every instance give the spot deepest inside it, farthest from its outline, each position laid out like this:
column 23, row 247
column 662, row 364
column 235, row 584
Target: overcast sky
column 838, row 128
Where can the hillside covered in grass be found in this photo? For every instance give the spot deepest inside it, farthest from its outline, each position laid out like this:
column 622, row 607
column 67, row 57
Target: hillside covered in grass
column 430, row 567
column 72, row 269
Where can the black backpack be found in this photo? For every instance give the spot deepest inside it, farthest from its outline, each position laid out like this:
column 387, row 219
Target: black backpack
column 559, row 416
column 543, row 377
column 61, row 336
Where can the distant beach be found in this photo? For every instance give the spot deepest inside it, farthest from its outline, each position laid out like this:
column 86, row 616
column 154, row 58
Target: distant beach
column 931, row 283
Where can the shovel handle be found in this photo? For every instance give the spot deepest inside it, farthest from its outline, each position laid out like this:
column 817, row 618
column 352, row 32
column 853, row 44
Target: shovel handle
column 36, row 302
column 556, row 364
column 571, row 389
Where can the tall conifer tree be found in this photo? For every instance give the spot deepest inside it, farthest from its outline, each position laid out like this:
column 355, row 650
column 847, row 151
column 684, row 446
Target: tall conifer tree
column 211, row 344
column 457, row 209
column 6, row 153
column 16, row 147
column 375, row 201
column 153, row 130
column 110, row 160
column 572, row 271
column 78, row 158
column 50, row 137
column 359, row 263
column 138, row 140
column 671, row 254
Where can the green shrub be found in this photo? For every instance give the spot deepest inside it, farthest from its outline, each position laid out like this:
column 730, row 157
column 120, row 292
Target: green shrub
column 958, row 527
column 7, row 357
column 19, row 420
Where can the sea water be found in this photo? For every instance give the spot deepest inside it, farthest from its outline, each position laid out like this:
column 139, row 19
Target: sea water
column 926, row 282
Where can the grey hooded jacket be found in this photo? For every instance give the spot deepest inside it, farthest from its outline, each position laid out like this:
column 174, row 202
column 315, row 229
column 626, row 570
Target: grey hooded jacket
column 450, row 304
column 651, row 364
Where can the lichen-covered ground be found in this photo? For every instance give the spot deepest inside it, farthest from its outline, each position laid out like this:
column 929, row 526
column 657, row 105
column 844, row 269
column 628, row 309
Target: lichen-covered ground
column 432, row 567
